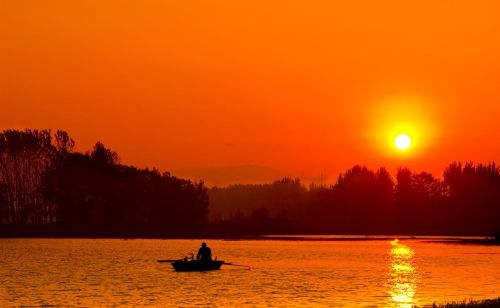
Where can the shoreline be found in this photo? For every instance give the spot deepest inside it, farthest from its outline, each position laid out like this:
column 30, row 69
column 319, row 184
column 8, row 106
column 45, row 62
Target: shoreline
column 483, row 242
column 471, row 303
column 444, row 239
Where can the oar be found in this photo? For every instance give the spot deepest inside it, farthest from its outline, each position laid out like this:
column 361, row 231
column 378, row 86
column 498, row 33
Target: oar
column 232, row 264
column 162, row 261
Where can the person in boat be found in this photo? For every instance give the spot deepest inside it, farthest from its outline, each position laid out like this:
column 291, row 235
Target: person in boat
column 204, row 253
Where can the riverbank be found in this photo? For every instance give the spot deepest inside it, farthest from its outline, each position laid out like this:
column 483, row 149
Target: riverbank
column 445, row 239
column 488, row 241
column 475, row 304
column 62, row 234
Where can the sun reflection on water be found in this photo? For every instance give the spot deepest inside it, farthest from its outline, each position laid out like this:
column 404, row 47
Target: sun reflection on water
column 402, row 279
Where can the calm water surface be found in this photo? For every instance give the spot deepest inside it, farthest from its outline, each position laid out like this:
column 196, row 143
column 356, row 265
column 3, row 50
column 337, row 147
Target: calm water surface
column 385, row 273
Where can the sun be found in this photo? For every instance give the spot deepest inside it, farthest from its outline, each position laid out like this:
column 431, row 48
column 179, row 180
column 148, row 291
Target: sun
column 403, row 127
column 402, row 141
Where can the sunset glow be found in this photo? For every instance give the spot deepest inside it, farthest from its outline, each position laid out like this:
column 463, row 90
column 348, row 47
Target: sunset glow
column 206, row 86
column 249, row 153
column 403, row 125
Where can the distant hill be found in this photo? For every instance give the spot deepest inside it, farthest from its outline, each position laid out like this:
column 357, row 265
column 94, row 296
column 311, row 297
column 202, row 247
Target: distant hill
column 223, row 176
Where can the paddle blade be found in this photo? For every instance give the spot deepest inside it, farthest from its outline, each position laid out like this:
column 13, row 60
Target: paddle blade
column 240, row 265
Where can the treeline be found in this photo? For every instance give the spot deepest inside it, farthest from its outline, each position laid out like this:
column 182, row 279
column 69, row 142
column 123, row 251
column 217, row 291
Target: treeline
column 46, row 186
column 363, row 201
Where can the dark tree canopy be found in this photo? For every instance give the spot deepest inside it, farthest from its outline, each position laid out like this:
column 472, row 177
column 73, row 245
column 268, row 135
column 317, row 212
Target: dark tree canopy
column 44, row 182
column 363, row 201
column 46, row 185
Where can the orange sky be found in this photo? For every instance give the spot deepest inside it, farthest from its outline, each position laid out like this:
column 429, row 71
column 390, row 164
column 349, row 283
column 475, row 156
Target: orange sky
column 303, row 87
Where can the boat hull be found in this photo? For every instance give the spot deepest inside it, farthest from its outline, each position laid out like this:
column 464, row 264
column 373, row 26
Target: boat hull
column 196, row 266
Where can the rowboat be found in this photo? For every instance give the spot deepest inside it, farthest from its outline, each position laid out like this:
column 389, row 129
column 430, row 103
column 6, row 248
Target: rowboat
column 196, row 265
column 192, row 265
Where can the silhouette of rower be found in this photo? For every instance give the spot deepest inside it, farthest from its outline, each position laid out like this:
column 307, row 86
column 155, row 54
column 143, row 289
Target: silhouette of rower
column 204, row 253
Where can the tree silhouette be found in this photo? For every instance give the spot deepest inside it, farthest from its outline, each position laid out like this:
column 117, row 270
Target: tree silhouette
column 46, row 185
column 474, row 195
column 44, row 182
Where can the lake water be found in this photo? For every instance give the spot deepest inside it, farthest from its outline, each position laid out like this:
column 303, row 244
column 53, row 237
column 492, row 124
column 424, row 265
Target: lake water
column 114, row 272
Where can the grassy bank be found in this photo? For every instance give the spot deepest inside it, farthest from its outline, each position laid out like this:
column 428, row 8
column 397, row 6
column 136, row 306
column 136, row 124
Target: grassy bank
column 470, row 303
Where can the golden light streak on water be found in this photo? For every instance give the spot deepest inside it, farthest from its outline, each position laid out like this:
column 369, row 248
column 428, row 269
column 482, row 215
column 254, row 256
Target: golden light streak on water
column 402, row 275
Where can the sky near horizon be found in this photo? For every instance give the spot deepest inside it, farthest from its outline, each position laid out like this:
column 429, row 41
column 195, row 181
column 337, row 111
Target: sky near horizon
column 307, row 88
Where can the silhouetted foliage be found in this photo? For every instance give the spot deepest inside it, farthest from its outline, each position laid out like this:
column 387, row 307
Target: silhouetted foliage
column 474, row 195
column 363, row 201
column 256, row 209
column 24, row 158
column 420, row 202
column 42, row 181
column 285, row 195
